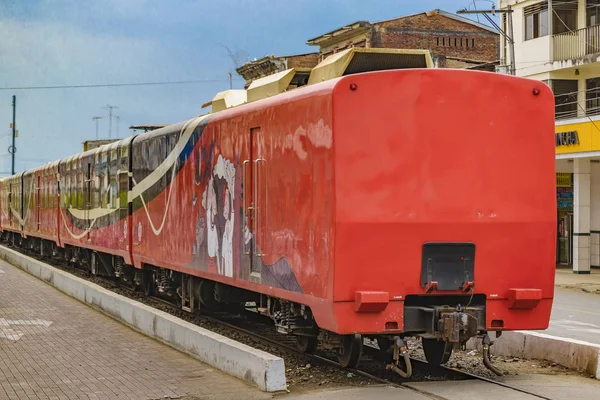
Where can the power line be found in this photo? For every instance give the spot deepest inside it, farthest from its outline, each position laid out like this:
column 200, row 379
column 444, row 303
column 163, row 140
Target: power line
column 112, row 85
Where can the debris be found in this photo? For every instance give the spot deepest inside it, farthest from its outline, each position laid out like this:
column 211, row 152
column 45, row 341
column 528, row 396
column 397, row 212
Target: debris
column 350, row 374
column 307, row 366
column 472, row 353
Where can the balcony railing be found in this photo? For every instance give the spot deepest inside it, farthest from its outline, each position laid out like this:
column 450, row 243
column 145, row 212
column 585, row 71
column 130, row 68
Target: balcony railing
column 567, row 105
column 576, row 44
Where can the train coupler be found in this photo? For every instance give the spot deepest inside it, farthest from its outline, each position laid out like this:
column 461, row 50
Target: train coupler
column 400, row 349
column 458, row 326
column 487, row 342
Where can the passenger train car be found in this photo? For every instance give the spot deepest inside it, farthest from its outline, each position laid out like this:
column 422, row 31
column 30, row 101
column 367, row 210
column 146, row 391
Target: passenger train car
column 377, row 205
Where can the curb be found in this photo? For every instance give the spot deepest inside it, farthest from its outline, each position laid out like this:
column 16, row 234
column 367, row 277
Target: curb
column 574, row 354
column 261, row 369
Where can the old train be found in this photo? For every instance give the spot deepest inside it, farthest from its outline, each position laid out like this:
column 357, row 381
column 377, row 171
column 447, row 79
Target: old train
column 379, row 205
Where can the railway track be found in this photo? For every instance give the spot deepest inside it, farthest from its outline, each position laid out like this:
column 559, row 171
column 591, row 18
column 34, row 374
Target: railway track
column 257, row 327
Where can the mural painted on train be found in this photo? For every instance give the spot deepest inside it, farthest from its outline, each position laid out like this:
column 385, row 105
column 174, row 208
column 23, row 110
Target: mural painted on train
column 222, row 235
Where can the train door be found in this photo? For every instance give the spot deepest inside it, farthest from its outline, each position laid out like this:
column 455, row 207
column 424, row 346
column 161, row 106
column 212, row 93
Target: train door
column 9, row 205
column 38, row 190
column 88, row 197
column 254, row 205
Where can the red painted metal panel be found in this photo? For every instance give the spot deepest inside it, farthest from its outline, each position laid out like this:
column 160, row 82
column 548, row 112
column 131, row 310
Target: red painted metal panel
column 423, row 156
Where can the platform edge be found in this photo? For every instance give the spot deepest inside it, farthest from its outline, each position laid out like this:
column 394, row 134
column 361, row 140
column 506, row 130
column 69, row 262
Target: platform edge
column 571, row 353
column 259, row 368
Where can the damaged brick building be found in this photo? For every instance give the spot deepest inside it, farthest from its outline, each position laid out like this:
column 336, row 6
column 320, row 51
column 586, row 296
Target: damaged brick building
column 453, row 41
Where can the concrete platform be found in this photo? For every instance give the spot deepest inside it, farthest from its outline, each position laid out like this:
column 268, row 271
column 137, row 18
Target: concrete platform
column 573, row 337
column 256, row 367
column 556, row 387
column 55, row 347
column 372, row 392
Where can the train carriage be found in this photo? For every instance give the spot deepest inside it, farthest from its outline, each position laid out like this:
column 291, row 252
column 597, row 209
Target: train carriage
column 94, row 210
column 12, row 214
column 378, row 205
column 4, row 209
column 40, row 207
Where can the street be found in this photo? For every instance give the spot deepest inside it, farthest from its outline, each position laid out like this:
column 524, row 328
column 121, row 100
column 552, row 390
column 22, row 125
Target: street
column 575, row 315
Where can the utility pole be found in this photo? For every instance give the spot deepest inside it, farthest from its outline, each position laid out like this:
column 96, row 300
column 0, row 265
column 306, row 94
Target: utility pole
column 12, row 149
column 509, row 36
column 110, row 108
column 96, row 119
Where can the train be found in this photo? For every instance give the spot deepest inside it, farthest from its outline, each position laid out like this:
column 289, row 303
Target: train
column 380, row 205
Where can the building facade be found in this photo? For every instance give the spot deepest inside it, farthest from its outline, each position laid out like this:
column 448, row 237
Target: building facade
column 454, row 41
column 558, row 42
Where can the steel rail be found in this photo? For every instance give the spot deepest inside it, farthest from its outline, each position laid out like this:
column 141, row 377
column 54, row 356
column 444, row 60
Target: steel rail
column 257, row 336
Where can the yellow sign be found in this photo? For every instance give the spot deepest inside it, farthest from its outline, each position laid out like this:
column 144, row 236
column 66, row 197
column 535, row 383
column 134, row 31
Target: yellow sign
column 578, row 137
column 563, row 180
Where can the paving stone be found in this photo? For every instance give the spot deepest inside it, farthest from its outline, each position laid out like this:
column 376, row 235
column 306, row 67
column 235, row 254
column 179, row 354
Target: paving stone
column 54, row 347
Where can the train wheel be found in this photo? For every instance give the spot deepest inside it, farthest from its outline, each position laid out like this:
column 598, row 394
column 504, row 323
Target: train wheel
column 207, row 296
column 350, row 350
column 94, row 263
column 306, row 344
column 437, row 352
column 148, row 282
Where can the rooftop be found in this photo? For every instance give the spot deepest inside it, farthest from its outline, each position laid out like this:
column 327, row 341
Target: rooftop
column 365, row 25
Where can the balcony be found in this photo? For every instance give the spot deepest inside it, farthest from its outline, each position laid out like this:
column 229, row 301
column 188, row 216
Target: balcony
column 579, row 104
column 576, row 44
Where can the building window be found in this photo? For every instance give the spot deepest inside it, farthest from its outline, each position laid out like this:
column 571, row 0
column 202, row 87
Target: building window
column 564, row 16
column 565, row 97
column 536, row 20
column 592, row 96
column 593, row 12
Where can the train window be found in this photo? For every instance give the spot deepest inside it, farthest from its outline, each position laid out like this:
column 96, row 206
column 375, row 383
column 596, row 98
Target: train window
column 103, row 181
column 123, row 188
column 46, row 197
column 113, row 182
column 80, row 187
column 65, row 192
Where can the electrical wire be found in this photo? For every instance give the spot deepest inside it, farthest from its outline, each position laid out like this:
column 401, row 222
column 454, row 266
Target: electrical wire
column 102, row 85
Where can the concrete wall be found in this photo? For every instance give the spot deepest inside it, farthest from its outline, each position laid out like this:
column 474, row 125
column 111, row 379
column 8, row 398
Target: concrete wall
column 574, row 354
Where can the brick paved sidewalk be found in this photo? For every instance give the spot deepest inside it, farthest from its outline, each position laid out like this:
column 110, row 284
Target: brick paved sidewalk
column 54, row 347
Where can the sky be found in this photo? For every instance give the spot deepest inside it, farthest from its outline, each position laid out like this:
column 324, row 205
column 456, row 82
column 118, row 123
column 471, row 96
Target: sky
column 74, row 42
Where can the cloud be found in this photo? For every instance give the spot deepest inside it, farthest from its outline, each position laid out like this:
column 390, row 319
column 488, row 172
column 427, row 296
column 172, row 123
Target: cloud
column 54, row 123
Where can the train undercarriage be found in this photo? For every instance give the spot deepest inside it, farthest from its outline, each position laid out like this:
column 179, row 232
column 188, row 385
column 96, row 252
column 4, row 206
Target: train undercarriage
column 442, row 322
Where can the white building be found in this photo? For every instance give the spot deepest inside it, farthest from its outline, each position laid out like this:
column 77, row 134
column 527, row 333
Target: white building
column 558, row 42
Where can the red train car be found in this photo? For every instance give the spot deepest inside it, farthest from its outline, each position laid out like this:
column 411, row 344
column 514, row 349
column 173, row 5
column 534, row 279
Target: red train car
column 94, row 210
column 380, row 205
column 40, row 207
